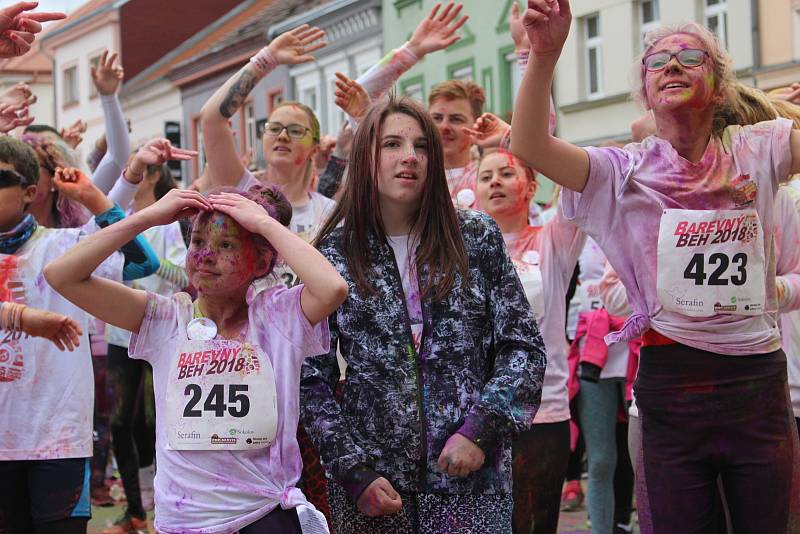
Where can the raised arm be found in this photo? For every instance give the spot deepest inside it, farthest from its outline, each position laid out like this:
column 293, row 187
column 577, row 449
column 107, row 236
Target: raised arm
column 436, row 32
column 324, row 289
column 290, row 48
column 71, row 274
column 107, row 78
column 63, row 331
column 547, row 23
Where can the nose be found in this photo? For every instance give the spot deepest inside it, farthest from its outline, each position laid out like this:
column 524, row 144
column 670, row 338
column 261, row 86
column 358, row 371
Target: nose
column 673, row 65
column 410, row 157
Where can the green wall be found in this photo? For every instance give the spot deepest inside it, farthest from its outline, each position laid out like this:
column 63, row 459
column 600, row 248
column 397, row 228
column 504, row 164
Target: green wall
column 485, row 41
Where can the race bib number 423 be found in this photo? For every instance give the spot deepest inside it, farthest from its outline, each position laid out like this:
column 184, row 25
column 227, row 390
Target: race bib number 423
column 220, row 396
column 711, row 262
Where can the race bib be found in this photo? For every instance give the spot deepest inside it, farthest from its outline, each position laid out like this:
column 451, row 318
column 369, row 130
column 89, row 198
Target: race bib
column 221, row 396
column 711, row 262
column 530, row 274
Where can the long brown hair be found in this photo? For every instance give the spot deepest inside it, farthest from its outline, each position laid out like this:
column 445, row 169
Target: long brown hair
column 441, row 247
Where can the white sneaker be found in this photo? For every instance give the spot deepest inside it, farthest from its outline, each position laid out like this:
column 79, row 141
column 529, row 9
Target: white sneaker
column 146, row 477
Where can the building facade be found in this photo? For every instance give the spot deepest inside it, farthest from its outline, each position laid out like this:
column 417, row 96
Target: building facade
column 778, row 26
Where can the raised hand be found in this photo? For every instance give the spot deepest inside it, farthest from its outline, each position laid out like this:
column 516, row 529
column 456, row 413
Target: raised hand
column 344, row 141
column 326, row 146
column 72, row 183
column 157, row 152
column 175, row 205
column 518, row 33
column 244, row 211
column 437, row 30
column 106, row 77
column 19, row 96
column 488, row 130
column 73, row 135
column 11, row 116
column 295, row 47
column 63, row 331
column 351, row 96
column 380, row 498
column 547, row 24
column 18, row 27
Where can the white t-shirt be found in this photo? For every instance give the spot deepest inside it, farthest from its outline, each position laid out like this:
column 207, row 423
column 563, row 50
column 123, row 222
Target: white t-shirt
column 167, row 242
column 557, row 245
column 223, row 491
column 46, row 396
column 406, row 265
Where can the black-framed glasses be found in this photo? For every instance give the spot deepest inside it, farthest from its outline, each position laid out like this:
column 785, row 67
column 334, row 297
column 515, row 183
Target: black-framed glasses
column 688, row 57
column 295, row 131
column 10, row 177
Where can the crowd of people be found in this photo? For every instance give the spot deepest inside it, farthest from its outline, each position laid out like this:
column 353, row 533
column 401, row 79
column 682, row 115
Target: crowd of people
column 384, row 332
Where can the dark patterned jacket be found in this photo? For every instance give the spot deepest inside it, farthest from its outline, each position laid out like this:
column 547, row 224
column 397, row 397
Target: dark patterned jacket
column 479, row 372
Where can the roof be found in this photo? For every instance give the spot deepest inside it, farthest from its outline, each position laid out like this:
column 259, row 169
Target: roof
column 243, row 27
column 80, row 15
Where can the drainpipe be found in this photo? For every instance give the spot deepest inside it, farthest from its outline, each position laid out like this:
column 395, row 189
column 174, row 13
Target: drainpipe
column 754, row 35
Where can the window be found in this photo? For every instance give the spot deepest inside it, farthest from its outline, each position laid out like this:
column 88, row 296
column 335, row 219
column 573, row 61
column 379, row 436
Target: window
column 717, row 19
column 464, row 74
column 200, row 160
column 796, row 31
column 71, row 85
column 649, row 18
column 514, row 73
column 274, row 99
column 414, row 90
column 93, row 62
column 593, row 56
column 250, row 128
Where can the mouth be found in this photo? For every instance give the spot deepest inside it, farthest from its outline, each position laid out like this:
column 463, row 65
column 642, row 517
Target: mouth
column 282, row 148
column 206, row 272
column 497, row 195
column 406, row 176
column 674, row 85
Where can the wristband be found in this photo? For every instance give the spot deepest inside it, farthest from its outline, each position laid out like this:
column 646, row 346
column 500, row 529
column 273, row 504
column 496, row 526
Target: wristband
column 128, row 168
column 11, row 316
column 264, row 61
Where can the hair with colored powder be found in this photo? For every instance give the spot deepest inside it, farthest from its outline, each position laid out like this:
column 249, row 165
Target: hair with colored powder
column 455, row 89
column 21, row 157
column 721, row 64
column 787, row 110
column 441, row 253
column 269, row 197
column 66, row 213
column 530, row 174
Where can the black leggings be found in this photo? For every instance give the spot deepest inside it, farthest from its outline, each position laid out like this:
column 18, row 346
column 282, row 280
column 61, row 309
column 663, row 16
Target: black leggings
column 132, row 421
column 623, row 478
column 278, row 520
column 540, row 463
column 705, row 416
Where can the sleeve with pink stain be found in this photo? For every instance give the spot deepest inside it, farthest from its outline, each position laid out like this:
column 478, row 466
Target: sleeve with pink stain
column 382, row 76
column 787, row 245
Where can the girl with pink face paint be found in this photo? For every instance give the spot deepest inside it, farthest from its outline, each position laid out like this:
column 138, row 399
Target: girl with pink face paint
column 686, row 218
column 226, row 366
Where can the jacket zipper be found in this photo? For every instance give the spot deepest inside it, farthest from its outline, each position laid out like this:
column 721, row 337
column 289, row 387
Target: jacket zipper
column 412, row 353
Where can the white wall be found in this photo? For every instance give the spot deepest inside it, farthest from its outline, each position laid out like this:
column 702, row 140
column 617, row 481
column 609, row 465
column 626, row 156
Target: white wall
column 149, row 108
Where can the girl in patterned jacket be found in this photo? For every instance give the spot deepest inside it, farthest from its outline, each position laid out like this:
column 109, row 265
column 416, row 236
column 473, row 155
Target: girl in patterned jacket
column 445, row 361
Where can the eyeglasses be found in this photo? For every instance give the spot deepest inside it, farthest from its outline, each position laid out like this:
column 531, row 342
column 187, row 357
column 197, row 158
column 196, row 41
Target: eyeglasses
column 688, row 57
column 295, row 131
column 10, row 177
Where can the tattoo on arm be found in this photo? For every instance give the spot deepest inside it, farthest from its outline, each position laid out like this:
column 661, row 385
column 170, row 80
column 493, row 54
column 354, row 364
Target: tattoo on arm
column 237, row 93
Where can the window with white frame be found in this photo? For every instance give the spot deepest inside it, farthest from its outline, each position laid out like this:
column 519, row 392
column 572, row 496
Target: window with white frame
column 716, row 15
column 514, row 74
column 414, row 90
column 308, row 96
column 250, row 128
column 200, row 146
column 71, row 85
column 464, row 74
column 593, row 55
column 796, row 29
column 93, row 63
column 649, row 19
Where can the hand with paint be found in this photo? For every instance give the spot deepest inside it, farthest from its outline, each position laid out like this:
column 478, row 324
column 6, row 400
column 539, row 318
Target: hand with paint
column 175, row 205
column 106, row 76
column 437, row 30
column 351, row 96
column 63, row 331
column 73, row 135
column 488, row 130
column 460, row 456
column 18, row 27
column 380, row 498
column 19, row 96
column 326, row 147
column 344, row 141
column 75, row 185
column 244, row 211
column 547, row 24
column 295, row 47
column 12, row 116
column 518, row 33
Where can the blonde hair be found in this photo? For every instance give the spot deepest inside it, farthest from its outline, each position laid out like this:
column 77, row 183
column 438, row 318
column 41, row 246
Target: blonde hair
column 721, row 64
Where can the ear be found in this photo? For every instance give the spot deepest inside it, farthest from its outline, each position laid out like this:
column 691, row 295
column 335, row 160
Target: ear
column 262, row 264
column 533, row 185
column 29, row 194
